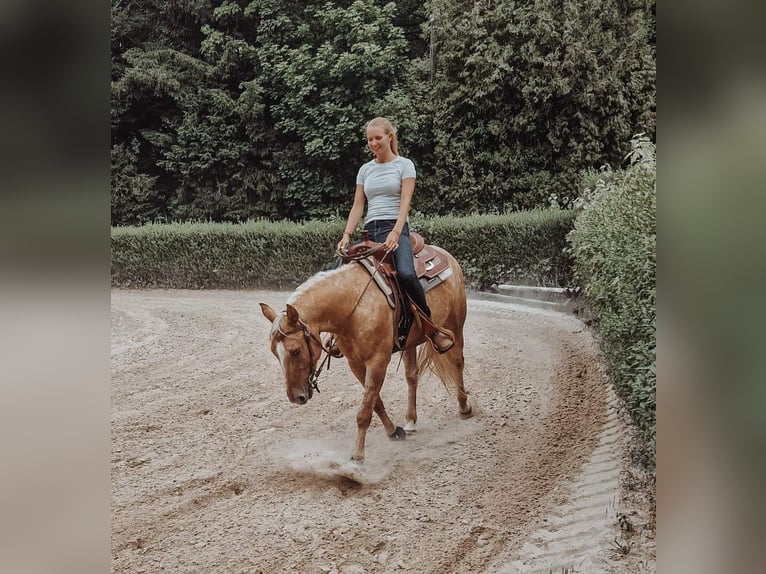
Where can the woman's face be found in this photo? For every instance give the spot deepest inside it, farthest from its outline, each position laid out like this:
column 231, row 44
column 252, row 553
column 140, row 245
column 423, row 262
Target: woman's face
column 379, row 142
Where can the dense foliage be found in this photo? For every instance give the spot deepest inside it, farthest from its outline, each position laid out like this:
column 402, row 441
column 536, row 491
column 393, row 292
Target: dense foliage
column 530, row 93
column 226, row 110
column 524, row 248
column 614, row 243
column 519, row 246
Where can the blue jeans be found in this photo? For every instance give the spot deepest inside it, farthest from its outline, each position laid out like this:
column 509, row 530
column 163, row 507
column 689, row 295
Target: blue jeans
column 404, row 261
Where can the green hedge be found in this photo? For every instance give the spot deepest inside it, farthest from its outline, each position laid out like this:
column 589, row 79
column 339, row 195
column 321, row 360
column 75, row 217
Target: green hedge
column 614, row 243
column 526, row 247
column 221, row 255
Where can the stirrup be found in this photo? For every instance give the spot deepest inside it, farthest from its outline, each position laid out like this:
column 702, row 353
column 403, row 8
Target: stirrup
column 445, row 343
column 447, row 337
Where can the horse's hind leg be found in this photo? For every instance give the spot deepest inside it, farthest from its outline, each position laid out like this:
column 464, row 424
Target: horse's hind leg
column 411, row 373
column 456, row 365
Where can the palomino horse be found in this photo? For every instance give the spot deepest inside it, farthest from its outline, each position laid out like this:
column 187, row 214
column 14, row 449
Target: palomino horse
column 346, row 304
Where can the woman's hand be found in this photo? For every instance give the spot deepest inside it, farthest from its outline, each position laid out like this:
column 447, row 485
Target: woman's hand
column 392, row 241
column 344, row 241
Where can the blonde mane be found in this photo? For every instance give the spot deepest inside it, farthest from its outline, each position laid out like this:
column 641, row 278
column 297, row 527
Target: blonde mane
column 313, row 280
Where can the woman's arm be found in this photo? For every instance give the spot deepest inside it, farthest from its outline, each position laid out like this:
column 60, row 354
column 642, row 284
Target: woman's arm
column 408, row 189
column 357, row 210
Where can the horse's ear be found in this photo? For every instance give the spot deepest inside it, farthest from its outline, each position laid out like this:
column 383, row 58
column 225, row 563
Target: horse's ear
column 292, row 314
column 268, row 312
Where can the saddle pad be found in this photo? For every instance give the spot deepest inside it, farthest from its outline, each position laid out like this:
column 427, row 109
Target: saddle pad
column 430, row 283
column 369, row 264
column 427, row 282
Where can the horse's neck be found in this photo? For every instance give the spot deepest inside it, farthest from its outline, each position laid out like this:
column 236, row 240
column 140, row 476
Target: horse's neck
column 327, row 303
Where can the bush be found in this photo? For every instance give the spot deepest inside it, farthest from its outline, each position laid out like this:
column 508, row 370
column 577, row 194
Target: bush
column 614, row 243
column 256, row 254
column 520, row 247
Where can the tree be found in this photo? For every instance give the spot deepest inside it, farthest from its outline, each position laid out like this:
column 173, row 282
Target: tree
column 265, row 114
column 232, row 109
column 529, row 93
column 330, row 67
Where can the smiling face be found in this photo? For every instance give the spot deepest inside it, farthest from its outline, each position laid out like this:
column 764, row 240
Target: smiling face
column 379, row 143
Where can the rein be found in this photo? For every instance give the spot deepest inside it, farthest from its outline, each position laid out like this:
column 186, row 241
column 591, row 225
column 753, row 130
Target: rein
column 313, row 377
column 344, row 254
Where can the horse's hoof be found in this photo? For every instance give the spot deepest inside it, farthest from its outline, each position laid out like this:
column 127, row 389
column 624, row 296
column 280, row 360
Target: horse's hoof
column 410, row 427
column 398, row 434
column 467, row 414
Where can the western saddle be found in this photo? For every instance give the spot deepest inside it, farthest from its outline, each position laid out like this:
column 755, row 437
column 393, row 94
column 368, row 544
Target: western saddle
column 431, row 267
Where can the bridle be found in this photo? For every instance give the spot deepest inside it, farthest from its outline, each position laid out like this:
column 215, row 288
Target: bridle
column 312, row 380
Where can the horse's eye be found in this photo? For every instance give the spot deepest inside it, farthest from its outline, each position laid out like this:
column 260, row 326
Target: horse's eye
column 295, row 352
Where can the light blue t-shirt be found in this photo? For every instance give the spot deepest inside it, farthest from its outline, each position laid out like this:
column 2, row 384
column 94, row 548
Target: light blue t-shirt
column 383, row 186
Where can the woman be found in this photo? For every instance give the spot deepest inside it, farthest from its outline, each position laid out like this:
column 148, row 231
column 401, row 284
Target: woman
column 387, row 183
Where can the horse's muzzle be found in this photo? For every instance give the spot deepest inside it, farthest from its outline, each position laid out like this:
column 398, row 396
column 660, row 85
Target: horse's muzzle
column 303, row 396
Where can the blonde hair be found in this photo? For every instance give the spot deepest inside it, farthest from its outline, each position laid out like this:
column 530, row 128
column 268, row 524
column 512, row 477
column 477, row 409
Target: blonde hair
column 388, row 128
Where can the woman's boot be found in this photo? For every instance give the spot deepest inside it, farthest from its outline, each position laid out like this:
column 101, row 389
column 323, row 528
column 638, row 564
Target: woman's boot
column 441, row 339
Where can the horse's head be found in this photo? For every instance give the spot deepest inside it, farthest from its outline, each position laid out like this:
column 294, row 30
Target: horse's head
column 297, row 350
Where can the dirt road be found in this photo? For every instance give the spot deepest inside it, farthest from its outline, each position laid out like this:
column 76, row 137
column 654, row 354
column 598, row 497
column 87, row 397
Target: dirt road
column 214, row 471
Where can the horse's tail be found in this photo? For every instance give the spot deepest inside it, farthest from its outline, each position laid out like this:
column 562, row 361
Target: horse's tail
column 441, row 365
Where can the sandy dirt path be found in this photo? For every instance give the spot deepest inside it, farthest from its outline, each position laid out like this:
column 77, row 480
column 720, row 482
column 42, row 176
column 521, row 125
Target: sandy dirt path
column 214, row 471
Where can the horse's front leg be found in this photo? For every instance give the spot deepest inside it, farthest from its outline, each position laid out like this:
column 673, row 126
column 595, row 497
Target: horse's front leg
column 411, row 373
column 371, row 400
column 360, row 372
